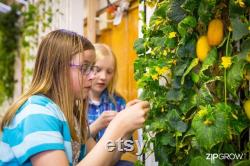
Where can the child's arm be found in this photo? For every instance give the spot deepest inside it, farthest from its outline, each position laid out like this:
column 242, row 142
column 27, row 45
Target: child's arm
column 101, row 122
column 124, row 123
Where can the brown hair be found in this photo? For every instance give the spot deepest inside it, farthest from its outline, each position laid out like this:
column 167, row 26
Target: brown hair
column 50, row 77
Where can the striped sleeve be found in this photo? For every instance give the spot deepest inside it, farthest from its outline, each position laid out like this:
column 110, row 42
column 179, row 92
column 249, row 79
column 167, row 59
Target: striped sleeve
column 34, row 129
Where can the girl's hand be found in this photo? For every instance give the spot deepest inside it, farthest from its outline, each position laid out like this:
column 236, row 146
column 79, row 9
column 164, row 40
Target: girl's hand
column 104, row 119
column 102, row 122
column 133, row 117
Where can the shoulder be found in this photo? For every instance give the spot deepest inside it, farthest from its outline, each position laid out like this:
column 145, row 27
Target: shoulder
column 37, row 109
column 40, row 104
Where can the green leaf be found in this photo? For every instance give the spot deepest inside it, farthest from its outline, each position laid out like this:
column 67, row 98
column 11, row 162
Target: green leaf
column 204, row 10
column 240, row 29
column 194, row 63
column 180, row 126
column 187, row 50
column 186, row 25
column 208, row 62
column 200, row 160
column 157, row 41
column 243, row 163
column 167, row 139
column 160, row 11
column 173, row 118
column 161, row 154
column 174, row 95
column 195, row 77
column 235, row 10
column 204, row 95
column 238, row 120
column 188, row 103
column 158, row 124
column 214, row 132
column 139, row 46
column 190, row 5
column 179, row 69
column 245, row 49
column 235, row 76
column 175, row 13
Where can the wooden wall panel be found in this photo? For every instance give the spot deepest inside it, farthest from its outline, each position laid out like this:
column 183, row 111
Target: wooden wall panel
column 121, row 39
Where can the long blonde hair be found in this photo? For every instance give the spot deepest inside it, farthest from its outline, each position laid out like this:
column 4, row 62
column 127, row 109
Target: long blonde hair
column 103, row 50
column 50, row 78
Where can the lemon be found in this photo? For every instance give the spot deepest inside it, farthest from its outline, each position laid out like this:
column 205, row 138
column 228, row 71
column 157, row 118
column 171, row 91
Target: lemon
column 247, row 108
column 202, row 48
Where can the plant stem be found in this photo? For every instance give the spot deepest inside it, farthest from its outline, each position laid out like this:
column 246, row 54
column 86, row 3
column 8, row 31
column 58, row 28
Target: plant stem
column 225, row 72
column 228, row 38
column 220, row 147
column 225, row 85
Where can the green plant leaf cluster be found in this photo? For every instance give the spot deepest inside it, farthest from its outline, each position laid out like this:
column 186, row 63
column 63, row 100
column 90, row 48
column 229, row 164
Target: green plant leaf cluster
column 196, row 107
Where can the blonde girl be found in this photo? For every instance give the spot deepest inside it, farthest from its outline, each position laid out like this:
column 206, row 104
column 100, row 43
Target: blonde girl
column 47, row 125
column 104, row 101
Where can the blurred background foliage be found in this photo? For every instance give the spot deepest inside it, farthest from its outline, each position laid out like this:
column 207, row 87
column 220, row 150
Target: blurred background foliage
column 19, row 33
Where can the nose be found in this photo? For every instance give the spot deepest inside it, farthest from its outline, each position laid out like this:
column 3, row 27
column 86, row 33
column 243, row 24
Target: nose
column 91, row 76
column 103, row 75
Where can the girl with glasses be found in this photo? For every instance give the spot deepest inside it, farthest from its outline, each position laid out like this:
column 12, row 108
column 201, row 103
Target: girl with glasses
column 48, row 125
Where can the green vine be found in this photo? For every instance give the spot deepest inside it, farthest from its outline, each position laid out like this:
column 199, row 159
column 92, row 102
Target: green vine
column 19, row 30
column 197, row 105
column 10, row 33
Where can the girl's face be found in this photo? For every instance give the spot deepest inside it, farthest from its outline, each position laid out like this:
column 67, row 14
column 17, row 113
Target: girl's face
column 104, row 73
column 81, row 74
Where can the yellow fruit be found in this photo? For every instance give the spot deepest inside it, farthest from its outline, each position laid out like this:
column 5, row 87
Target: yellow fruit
column 247, row 108
column 215, row 32
column 202, row 48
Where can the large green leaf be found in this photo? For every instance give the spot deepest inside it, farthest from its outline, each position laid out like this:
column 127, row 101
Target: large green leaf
column 167, row 138
column 157, row 41
column 204, row 95
column 235, row 76
column 188, row 103
column 175, row 13
column 161, row 9
column 240, row 29
column 173, row 118
column 243, row 163
column 179, row 69
column 245, row 50
column 187, row 49
column 174, row 95
column 235, row 10
column 204, row 10
column 238, row 120
column 200, row 160
column 186, row 25
column 208, row 62
column 159, row 124
column 139, row 46
column 194, row 63
column 190, row 5
column 210, row 125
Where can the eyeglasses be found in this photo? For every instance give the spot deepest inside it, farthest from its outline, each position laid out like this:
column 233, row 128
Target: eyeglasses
column 85, row 69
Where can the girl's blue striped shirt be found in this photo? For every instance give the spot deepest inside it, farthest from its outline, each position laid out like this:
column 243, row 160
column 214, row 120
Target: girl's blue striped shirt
column 39, row 125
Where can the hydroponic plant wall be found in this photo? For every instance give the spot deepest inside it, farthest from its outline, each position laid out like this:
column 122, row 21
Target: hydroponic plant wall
column 194, row 67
